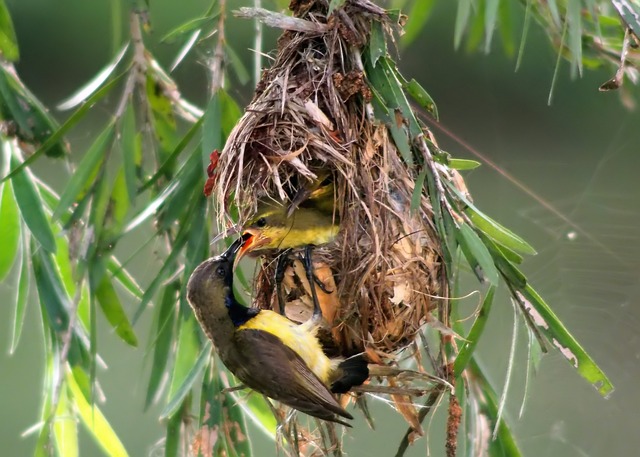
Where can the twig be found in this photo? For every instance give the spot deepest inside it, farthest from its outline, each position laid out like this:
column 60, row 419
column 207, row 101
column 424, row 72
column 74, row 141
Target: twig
column 281, row 21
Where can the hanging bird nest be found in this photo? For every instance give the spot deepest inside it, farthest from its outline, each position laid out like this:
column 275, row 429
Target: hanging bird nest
column 311, row 113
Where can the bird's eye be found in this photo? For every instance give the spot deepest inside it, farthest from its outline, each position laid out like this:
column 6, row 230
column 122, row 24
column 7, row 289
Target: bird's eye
column 262, row 222
column 221, row 272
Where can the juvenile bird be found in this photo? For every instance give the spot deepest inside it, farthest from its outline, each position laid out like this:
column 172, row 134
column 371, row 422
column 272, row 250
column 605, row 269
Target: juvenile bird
column 266, row 351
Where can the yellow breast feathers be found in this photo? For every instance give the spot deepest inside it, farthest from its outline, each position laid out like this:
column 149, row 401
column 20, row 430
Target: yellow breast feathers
column 301, row 338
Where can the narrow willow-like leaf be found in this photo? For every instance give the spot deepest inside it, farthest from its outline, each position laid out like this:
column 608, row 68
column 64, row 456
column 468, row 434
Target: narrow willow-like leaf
column 481, row 392
column 9, row 229
column 231, row 113
column 51, row 291
column 194, row 373
column 31, row 122
column 258, row 410
column 114, row 312
column 505, row 26
column 185, row 28
column 94, row 83
column 124, row 278
column 8, row 42
column 162, row 339
column 553, row 328
column 65, row 429
column 418, row 15
column 171, row 159
column 32, row 208
column 56, row 136
column 184, row 50
column 574, row 18
column 131, row 150
column 187, row 352
column 462, row 19
column 22, row 293
column 163, row 119
column 377, row 43
column 238, row 66
column 463, row 164
column 94, row 421
column 525, row 33
column 237, row 440
column 555, row 13
column 84, row 176
column 173, row 438
column 151, row 208
column 490, row 18
column 630, row 14
column 477, row 254
column 472, row 338
column 494, row 230
column 421, row 96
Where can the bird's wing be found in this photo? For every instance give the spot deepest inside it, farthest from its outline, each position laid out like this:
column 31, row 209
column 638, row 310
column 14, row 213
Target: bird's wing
column 274, row 369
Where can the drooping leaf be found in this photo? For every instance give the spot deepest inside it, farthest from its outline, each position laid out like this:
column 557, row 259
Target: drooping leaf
column 114, row 312
column 188, row 382
column 94, row 421
column 94, row 84
column 65, row 428
column 31, row 207
column 22, row 293
column 9, row 229
column 477, row 254
column 418, row 15
column 88, row 168
column 490, row 18
column 8, row 42
column 462, row 19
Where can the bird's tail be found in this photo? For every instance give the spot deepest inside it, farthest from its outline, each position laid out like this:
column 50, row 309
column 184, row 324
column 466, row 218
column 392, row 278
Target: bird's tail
column 352, row 372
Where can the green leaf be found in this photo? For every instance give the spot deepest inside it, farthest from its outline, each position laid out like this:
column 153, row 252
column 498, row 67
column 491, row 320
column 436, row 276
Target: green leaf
column 485, row 396
column 28, row 119
column 491, row 228
column 124, row 278
column 65, row 429
column 420, row 12
column 162, row 341
column 163, row 119
column 9, row 229
column 8, row 41
column 211, row 127
column 83, row 179
column 50, row 290
column 630, row 14
column 462, row 19
column 53, row 140
column 549, row 324
column 187, row 351
column 463, row 164
column 574, row 12
column 505, row 26
column 194, row 373
column 477, row 254
column 421, row 96
column 185, row 28
column 31, row 207
column 95, row 421
column 22, row 293
column 377, row 43
column 469, row 346
column 94, row 84
column 184, row 50
column 131, row 150
column 490, row 18
column 238, row 66
column 114, row 312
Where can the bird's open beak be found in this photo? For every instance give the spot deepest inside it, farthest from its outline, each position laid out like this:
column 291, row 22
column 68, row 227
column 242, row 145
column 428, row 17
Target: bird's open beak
column 251, row 240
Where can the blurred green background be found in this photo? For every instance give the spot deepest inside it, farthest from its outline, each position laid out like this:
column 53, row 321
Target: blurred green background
column 580, row 156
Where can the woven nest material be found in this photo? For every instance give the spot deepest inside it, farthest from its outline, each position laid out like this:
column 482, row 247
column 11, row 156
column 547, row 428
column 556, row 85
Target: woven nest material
column 311, row 112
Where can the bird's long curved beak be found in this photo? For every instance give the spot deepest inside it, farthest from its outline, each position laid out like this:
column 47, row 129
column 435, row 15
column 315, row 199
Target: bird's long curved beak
column 232, row 251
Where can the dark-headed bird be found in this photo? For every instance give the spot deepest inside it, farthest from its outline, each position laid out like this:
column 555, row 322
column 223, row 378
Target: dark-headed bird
column 266, row 351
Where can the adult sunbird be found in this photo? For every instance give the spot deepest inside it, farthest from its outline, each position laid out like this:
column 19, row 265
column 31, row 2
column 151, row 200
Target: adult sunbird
column 266, row 351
